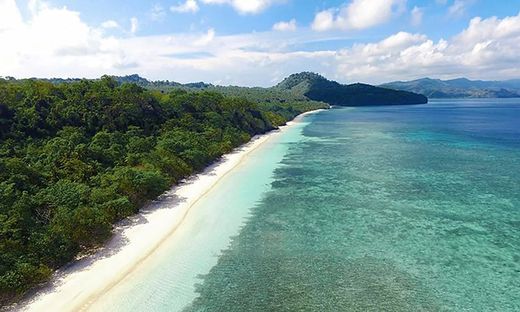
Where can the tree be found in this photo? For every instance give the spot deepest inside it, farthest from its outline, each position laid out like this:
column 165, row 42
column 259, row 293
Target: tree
column 79, row 155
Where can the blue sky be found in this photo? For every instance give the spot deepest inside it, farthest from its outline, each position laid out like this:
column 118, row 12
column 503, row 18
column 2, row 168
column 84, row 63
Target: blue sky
column 257, row 42
column 436, row 22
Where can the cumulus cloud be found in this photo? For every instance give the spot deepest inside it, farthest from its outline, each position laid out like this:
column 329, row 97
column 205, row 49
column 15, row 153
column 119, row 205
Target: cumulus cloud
column 55, row 41
column 205, row 39
column 241, row 6
column 358, row 14
column 134, row 25
column 52, row 42
column 486, row 49
column 157, row 13
column 457, row 8
column 400, row 56
column 246, row 6
column 189, row 6
column 10, row 16
column 109, row 24
column 417, row 15
column 285, row 26
column 324, row 20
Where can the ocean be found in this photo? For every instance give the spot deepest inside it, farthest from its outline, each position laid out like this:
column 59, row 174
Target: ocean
column 400, row 208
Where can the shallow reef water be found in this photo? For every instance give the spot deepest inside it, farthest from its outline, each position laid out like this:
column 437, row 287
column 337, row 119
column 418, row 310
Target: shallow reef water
column 401, row 208
column 405, row 208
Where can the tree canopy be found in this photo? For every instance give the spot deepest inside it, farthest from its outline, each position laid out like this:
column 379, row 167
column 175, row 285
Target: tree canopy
column 76, row 157
column 316, row 87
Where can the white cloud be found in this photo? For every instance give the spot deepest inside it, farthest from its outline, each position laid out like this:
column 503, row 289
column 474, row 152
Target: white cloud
column 358, row 14
column 459, row 7
column 246, row 6
column 241, row 6
column 36, row 5
column 189, row 6
column 110, row 24
column 157, row 13
column 56, row 42
column 324, row 20
column 10, row 16
column 134, row 25
column 52, row 42
column 417, row 15
column 285, row 26
column 205, row 39
column 491, row 28
column 486, row 49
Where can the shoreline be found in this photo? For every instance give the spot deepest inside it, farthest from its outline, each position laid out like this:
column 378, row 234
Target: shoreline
column 79, row 284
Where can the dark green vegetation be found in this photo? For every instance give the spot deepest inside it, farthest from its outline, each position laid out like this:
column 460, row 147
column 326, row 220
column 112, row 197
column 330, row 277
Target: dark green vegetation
column 459, row 88
column 298, row 90
column 78, row 155
column 318, row 88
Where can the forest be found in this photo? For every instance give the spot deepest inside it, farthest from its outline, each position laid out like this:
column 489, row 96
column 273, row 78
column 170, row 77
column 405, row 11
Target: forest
column 77, row 157
column 316, row 87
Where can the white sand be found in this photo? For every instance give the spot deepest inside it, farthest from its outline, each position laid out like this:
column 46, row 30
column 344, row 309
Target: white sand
column 79, row 284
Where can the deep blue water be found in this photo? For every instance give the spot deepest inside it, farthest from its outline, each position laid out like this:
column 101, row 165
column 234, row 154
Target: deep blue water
column 403, row 208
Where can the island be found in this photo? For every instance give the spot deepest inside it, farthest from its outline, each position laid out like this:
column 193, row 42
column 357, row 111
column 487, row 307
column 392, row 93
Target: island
column 318, row 88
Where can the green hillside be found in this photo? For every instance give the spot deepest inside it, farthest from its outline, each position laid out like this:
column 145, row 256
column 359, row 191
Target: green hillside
column 77, row 156
column 318, row 88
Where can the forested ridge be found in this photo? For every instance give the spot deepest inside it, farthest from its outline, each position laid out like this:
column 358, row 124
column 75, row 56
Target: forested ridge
column 316, row 87
column 77, row 157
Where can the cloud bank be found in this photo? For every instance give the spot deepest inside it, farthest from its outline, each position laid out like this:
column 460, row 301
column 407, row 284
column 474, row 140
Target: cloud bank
column 285, row 26
column 56, row 42
column 358, row 14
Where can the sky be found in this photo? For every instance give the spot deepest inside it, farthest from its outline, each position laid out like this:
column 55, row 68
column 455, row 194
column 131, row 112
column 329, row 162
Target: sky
column 259, row 42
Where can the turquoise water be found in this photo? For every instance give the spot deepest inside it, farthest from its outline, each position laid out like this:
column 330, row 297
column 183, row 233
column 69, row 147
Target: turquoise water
column 167, row 280
column 412, row 208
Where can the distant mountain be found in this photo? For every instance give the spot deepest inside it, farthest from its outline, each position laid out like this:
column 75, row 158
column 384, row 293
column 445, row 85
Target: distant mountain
column 318, row 88
column 459, row 88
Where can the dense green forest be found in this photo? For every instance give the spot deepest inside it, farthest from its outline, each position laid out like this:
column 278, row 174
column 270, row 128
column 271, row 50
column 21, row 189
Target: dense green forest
column 76, row 157
column 318, row 88
column 297, row 89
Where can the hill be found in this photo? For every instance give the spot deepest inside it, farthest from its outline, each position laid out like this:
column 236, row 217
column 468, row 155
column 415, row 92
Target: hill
column 301, row 92
column 459, row 88
column 318, row 88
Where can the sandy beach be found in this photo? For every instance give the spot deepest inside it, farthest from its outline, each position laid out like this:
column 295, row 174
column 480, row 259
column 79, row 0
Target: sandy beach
column 76, row 286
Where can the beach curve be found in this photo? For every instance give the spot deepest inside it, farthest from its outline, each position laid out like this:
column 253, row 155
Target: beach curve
column 78, row 285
